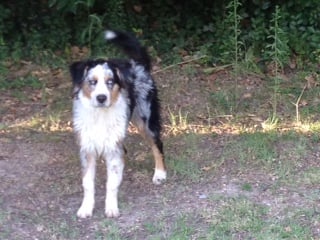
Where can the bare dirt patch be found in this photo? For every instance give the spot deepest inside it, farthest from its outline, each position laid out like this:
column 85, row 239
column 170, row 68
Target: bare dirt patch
column 40, row 171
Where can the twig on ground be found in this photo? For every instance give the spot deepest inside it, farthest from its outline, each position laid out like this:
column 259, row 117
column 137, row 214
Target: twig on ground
column 178, row 64
column 296, row 104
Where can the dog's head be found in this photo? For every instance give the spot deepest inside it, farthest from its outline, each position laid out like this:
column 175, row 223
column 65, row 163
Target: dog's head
column 96, row 82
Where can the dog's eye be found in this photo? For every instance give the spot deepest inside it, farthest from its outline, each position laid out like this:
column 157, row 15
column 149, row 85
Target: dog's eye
column 93, row 82
column 109, row 83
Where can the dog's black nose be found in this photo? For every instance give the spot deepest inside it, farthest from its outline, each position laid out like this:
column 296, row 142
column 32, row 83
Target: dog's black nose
column 101, row 98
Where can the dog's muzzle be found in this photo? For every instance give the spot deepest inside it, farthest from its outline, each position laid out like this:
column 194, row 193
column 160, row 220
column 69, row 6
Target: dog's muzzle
column 101, row 99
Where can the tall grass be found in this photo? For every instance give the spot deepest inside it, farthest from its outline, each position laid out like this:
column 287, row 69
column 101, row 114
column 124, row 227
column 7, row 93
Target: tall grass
column 278, row 53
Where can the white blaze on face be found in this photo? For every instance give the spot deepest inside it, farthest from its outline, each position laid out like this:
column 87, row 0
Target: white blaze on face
column 96, row 85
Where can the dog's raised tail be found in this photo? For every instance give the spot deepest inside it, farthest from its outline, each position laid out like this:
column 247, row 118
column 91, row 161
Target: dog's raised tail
column 131, row 46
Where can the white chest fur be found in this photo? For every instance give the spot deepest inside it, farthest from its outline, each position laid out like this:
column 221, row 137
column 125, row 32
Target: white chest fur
column 100, row 129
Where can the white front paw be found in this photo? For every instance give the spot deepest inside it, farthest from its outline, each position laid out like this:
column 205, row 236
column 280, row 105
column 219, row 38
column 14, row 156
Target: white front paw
column 111, row 205
column 112, row 212
column 159, row 176
column 85, row 210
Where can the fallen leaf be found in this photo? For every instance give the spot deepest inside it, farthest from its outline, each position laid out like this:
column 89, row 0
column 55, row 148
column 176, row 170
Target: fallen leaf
column 288, row 229
column 75, row 50
column 137, row 8
column 246, row 96
column 311, row 81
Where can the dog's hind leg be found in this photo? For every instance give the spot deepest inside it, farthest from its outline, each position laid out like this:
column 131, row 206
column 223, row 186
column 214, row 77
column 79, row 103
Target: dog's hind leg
column 160, row 173
column 152, row 136
column 88, row 161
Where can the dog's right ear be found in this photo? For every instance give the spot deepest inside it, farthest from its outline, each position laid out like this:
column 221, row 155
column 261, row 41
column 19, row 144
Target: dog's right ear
column 77, row 70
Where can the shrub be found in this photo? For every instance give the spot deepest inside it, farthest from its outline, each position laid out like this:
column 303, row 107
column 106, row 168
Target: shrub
column 173, row 28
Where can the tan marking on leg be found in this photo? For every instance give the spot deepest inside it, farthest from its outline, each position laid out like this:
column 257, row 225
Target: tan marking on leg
column 158, row 156
column 160, row 168
column 160, row 173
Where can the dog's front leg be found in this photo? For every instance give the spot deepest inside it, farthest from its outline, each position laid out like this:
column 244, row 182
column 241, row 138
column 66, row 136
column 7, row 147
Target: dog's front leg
column 88, row 161
column 115, row 166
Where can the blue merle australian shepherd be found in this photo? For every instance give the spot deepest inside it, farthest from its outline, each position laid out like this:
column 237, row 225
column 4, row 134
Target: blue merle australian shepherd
column 108, row 94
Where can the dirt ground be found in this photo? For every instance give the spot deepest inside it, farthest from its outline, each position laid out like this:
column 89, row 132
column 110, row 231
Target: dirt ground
column 40, row 188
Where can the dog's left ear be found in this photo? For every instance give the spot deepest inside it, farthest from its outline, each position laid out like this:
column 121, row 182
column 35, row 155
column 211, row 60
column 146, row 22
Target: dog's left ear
column 120, row 77
column 77, row 70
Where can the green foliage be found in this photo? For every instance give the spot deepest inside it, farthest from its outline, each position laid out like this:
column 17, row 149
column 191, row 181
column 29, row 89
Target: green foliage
column 70, row 6
column 223, row 31
column 4, row 15
column 257, row 32
column 29, row 28
column 301, row 21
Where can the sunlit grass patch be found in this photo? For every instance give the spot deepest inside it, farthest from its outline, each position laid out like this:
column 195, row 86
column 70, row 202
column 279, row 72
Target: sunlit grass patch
column 313, row 127
column 52, row 122
column 178, row 122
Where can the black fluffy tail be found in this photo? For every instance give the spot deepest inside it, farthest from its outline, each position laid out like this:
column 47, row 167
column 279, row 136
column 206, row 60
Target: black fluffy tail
column 131, row 46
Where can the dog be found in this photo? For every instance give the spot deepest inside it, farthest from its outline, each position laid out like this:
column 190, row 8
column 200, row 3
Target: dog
column 108, row 95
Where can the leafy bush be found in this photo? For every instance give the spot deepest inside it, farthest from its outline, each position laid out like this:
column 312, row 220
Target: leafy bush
column 31, row 27
column 4, row 15
column 173, row 28
column 303, row 27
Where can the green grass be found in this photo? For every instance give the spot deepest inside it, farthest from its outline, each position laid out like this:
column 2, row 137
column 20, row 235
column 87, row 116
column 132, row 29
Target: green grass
column 247, row 187
column 222, row 102
column 181, row 229
column 310, row 176
column 240, row 218
column 272, row 151
column 4, row 216
column 184, row 167
column 21, row 82
column 292, row 226
column 107, row 229
column 236, row 217
column 60, row 229
column 181, row 226
column 184, row 162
